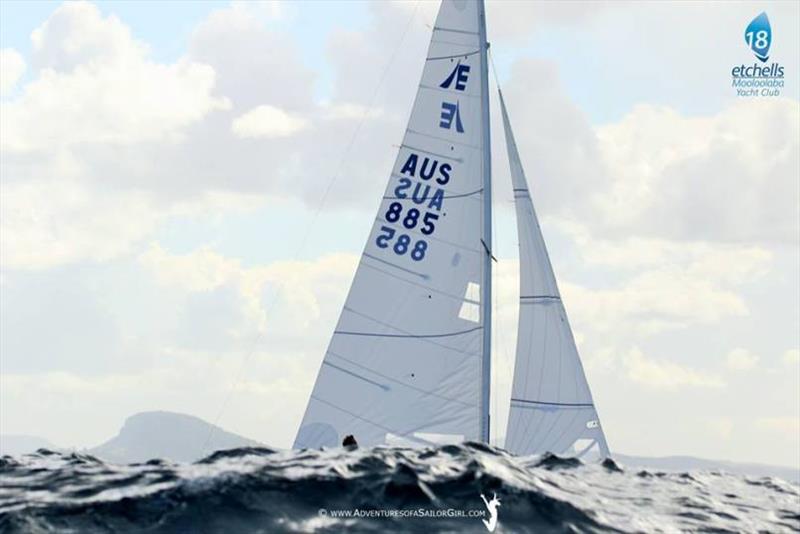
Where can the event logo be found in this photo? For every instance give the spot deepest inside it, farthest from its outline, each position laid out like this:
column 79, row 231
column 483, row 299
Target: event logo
column 758, row 36
column 758, row 79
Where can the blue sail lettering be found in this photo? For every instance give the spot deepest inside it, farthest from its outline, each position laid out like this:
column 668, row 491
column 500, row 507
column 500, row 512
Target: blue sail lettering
column 426, row 173
column 444, row 172
column 421, row 194
column 451, row 112
column 410, row 166
column 404, row 183
column 460, row 74
column 420, row 198
column 437, row 200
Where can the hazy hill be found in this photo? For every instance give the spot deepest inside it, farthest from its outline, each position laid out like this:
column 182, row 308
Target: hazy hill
column 181, row 437
column 168, row 435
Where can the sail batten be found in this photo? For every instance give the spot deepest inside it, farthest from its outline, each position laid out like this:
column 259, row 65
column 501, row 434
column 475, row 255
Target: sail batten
column 413, row 331
column 552, row 409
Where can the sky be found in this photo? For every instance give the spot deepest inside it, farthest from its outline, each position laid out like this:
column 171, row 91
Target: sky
column 185, row 188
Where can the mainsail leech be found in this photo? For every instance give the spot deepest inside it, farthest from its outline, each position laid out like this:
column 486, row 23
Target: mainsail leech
column 551, row 405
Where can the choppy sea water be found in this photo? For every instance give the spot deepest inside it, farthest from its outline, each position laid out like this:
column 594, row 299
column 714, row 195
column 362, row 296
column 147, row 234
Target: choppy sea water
column 383, row 490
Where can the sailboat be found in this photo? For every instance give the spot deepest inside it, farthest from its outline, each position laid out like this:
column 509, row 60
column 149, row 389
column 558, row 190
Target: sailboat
column 410, row 359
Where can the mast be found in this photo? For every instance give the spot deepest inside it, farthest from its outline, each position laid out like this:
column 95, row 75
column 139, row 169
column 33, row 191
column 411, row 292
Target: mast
column 486, row 286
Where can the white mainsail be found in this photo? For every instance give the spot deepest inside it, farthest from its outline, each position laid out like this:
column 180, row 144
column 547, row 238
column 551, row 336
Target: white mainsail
column 551, row 405
column 409, row 357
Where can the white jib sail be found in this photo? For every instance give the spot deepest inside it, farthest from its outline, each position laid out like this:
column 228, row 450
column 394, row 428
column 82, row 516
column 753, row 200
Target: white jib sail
column 551, row 405
column 406, row 358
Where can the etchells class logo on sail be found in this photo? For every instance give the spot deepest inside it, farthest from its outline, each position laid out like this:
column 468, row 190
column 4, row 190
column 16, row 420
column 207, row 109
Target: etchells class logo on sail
column 758, row 79
column 451, row 113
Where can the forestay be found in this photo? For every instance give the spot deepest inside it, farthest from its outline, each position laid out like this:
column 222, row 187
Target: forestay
column 406, row 357
column 551, row 405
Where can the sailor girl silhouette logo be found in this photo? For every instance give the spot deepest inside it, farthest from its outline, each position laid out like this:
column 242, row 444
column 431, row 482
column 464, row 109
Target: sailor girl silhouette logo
column 758, row 36
column 491, row 506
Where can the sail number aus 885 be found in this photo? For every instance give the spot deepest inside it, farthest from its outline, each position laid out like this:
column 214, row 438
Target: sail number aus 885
column 411, row 220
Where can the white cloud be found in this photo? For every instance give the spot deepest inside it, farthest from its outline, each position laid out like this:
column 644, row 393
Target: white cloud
column 104, row 123
column 269, row 10
column 77, row 34
column 12, row 66
column 666, row 375
column 670, row 173
column 722, row 426
column 46, row 224
column 267, row 121
column 200, row 270
column 658, row 284
column 728, row 176
column 298, row 286
column 653, row 301
column 791, row 356
column 254, row 65
column 517, row 21
column 740, row 359
column 96, row 85
column 728, row 263
column 788, row 427
column 350, row 111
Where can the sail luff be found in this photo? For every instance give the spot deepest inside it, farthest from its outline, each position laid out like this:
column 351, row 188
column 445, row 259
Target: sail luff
column 558, row 414
column 486, row 296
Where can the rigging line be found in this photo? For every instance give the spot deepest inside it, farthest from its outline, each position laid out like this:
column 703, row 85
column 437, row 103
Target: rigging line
column 494, row 69
column 498, row 336
column 503, row 349
column 384, row 387
column 464, row 55
column 414, row 231
column 395, row 380
column 390, row 264
column 407, row 336
column 443, row 139
column 334, row 177
column 426, row 339
column 546, row 403
column 454, row 298
column 445, row 196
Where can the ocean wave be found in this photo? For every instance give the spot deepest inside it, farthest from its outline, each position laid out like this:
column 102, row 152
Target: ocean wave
column 380, row 490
